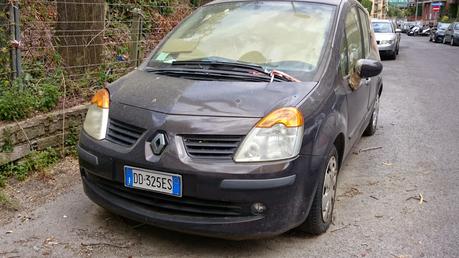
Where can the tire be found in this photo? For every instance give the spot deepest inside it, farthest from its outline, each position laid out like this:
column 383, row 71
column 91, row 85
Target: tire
column 393, row 55
column 373, row 124
column 319, row 220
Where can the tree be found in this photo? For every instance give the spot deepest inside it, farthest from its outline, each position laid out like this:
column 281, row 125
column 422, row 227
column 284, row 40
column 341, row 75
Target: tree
column 394, row 12
column 368, row 4
column 79, row 33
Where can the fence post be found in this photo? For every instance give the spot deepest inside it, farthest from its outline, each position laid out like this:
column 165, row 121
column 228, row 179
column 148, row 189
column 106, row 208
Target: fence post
column 136, row 36
column 15, row 50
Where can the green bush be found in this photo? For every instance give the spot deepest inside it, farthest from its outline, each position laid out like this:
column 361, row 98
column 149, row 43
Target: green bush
column 15, row 104
column 23, row 97
column 48, row 98
column 36, row 161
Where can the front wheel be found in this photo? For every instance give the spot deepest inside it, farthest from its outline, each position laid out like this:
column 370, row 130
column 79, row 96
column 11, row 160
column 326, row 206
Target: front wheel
column 373, row 124
column 321, row 213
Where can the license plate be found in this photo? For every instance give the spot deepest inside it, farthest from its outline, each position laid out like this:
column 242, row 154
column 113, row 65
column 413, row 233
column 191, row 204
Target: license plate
column 155, row 181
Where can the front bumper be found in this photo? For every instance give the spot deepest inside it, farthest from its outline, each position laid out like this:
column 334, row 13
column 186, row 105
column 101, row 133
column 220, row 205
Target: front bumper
column 214, row 204
column 387, row 48
column 439, row 38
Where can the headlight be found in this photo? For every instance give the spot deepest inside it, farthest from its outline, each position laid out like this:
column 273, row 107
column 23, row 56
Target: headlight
column 96, row 120
column 386, row 42
column 278, row 136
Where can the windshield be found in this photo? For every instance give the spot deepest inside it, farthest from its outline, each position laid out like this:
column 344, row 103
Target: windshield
column 382, row 27
column 286, row 36
column 443, row 26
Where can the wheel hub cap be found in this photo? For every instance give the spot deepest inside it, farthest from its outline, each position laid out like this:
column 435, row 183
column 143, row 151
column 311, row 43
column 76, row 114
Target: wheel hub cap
column 329, row 189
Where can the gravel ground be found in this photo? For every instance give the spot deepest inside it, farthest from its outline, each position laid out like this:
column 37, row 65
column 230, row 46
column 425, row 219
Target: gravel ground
column 378, row 213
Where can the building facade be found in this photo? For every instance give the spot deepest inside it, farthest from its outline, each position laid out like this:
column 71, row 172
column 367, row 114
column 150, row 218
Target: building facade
column 379, row 9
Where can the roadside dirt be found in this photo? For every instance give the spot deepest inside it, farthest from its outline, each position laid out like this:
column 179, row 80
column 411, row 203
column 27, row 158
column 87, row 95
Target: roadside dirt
column 40, row 188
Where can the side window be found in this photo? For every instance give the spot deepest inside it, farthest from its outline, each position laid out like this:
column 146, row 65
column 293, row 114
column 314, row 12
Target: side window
column 366, row 32
column 354, row 39
column 343, row 60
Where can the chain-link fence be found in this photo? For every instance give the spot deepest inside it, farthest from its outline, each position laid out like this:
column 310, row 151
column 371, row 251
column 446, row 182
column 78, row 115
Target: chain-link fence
column 80, row 44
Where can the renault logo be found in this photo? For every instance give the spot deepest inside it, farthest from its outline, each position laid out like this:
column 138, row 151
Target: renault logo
column 159, row 143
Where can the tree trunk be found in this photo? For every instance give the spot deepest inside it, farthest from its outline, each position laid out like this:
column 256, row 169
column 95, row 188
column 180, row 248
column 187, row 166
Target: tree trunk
column 79, row 33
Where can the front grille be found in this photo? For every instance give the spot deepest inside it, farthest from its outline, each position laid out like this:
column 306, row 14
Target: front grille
column 212, row 146
column 123, row 133
column 167, row 204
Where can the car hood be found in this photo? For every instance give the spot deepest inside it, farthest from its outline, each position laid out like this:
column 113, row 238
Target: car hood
column 178, row 96
column 384, row 36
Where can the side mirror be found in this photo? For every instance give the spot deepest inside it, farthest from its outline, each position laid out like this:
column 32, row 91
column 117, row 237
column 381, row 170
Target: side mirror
column 398, row 31
column 367, row 68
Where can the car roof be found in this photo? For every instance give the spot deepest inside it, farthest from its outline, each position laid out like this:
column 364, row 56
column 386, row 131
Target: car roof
column 332, row 2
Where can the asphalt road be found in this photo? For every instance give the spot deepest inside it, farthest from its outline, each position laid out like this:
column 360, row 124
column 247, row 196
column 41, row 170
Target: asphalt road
column 375, row 215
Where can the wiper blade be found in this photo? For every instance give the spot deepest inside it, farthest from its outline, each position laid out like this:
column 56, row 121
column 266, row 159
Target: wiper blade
column 258, row 69
column 201, row 73
column 254, row 67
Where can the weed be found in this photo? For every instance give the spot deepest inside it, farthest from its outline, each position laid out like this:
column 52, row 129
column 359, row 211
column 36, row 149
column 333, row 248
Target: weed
column 7, row 203
column 35, row 161
column 7, row 145
column 25, row 95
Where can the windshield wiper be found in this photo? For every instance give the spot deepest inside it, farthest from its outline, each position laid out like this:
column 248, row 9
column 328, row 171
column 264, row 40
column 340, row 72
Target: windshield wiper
column 206, row 74
column 257, row 70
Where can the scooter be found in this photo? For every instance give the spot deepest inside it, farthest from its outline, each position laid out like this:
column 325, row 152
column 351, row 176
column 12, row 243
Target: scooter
column 414, row 31
column 425, row 32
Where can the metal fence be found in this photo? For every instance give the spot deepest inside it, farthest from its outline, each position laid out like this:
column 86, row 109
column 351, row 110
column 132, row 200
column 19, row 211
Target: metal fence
column 86, row 42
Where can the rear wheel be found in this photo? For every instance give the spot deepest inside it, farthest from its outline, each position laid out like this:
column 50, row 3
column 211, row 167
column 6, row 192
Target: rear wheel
column 321, row 213
column 373, row 124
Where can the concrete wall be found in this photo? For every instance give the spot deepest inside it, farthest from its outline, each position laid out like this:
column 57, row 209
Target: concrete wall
column 39, row 133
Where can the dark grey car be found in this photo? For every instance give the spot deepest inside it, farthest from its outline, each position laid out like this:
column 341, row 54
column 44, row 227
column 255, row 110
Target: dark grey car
column 237, row 124
column 452, row 34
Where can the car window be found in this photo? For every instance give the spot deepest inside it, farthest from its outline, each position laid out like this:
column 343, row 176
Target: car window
column 354, row 39
column 247, row 31
column 366, row 32
column 382, row 27
column 456, row 27
column 343, row 59
column 443, row 26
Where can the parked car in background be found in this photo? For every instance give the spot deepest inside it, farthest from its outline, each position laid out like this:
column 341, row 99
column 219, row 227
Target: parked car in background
column 452, row 34
column 438, row 33
column 387, row 37
column 236, row 126
column 406, row 26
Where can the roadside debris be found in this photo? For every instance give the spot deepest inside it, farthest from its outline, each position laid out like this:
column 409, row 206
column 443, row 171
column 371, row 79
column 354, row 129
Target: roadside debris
column 337, row 229
column 370, row 149
column 104, row 244
column 351, row 193
column 374, row 197
column 367, row 149
column 387, row 164
column 8, row 232
column 419, row 198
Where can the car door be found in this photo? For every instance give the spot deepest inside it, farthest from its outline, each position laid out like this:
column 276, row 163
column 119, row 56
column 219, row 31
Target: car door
column 358, row 92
